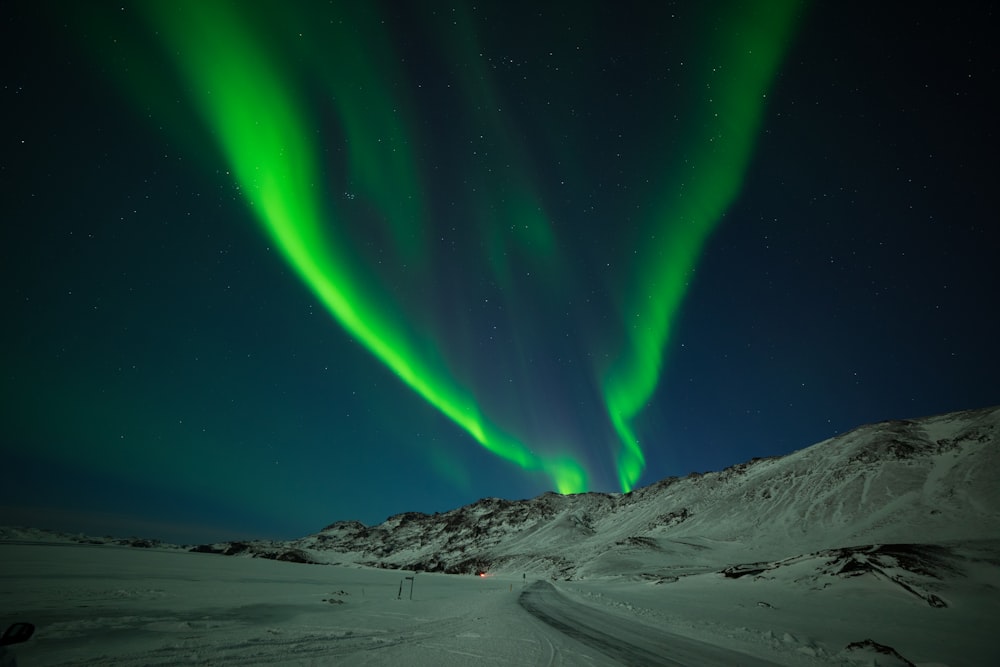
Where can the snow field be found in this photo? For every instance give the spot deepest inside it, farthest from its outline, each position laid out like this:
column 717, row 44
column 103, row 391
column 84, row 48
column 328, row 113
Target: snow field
column 127, row 606
column 121, row 606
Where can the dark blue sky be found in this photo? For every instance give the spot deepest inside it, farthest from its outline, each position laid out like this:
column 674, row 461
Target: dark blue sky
column 167, row 373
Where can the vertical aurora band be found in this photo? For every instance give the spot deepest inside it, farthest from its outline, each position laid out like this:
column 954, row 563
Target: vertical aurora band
column 244, row 96
column 718, row 150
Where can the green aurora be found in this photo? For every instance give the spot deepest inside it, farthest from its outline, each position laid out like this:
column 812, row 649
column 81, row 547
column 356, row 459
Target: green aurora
column 254, row 82
column 741, row 61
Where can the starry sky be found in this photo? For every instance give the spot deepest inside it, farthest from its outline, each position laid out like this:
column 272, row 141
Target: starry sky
column 270, row 265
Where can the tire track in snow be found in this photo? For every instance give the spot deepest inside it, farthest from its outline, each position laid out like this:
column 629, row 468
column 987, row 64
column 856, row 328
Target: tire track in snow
column 628, row 643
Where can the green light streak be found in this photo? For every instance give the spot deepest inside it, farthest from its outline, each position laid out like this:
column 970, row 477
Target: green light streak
column 720, row 150
column 511, row 215
column 380, row 166
column 260, row 125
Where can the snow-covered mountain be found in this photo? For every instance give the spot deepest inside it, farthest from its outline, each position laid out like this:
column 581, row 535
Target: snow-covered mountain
column 923, row 481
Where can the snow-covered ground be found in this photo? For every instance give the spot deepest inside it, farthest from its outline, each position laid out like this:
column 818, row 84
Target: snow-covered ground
column 113, row 605
column 878, row 547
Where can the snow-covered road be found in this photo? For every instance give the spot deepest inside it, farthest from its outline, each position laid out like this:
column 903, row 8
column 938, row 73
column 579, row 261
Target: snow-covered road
column 626, row 642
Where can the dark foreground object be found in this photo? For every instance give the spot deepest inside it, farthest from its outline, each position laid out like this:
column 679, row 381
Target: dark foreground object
column 17, row 633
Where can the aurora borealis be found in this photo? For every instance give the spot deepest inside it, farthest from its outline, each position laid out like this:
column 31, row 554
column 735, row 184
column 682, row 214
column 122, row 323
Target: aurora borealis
column 241, row 90
column 318, row 261
column 265, row 138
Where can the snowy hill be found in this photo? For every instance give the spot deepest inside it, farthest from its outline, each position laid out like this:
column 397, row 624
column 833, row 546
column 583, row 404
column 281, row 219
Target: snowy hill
column 930, row 480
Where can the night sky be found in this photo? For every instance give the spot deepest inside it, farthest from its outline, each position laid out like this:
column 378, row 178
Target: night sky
column 269, row 265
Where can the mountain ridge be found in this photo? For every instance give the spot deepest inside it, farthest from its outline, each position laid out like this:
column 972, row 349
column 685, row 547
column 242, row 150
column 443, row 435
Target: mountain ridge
column 928, row 481
column 897, row 481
